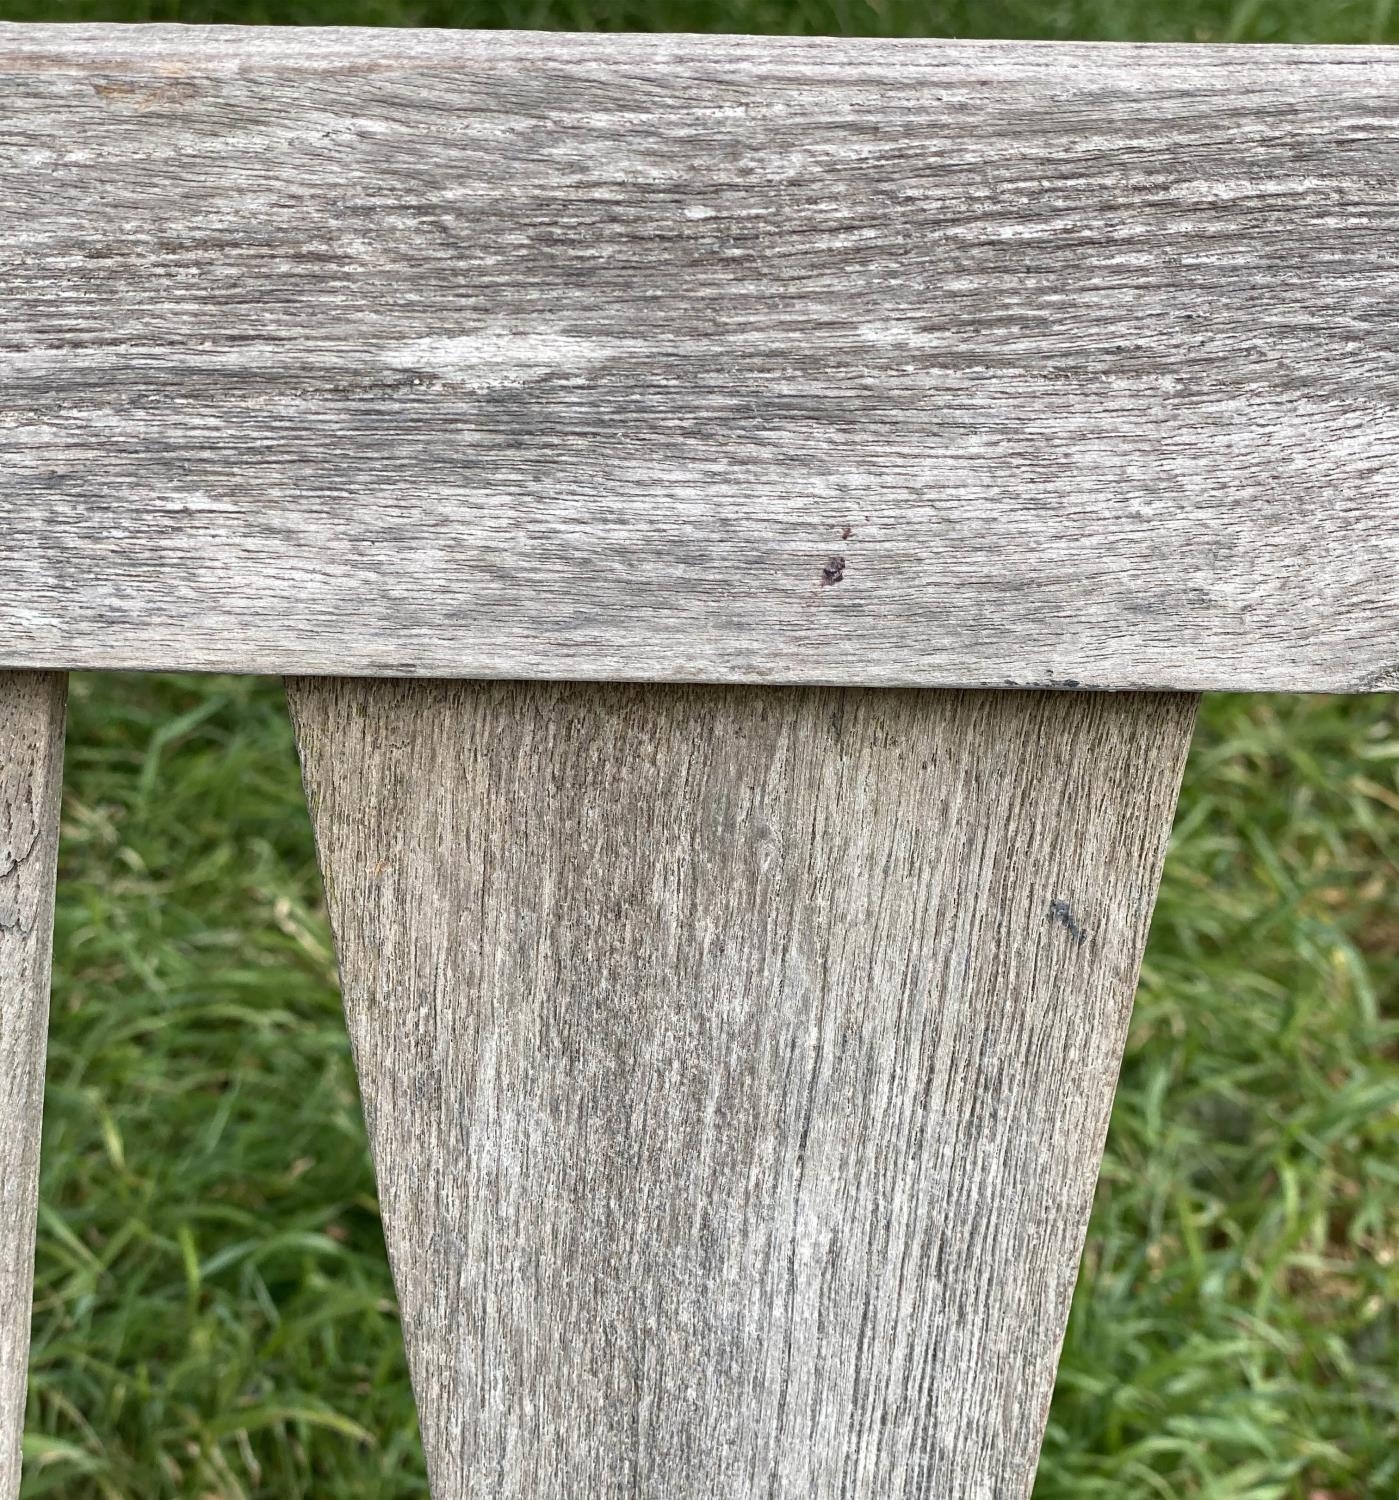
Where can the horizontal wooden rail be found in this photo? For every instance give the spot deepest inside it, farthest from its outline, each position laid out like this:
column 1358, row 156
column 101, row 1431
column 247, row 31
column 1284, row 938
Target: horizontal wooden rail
column 699, row 358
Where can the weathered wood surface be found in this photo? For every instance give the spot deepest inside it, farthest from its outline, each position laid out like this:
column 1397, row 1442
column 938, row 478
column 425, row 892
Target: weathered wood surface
column 31, row 782
column 699, row 358
column 737, row 1064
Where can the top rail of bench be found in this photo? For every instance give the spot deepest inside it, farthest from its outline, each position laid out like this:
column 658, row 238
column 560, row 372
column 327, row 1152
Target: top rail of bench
column 699, row 358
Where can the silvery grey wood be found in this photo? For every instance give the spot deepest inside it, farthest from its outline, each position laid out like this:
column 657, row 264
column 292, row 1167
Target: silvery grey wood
column 699, row 358
column 736, row 1063
column 31, row 780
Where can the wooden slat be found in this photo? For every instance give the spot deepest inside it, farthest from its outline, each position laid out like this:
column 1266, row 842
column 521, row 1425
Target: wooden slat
column 737, row 1064
column 31, row 781
column 699, row 358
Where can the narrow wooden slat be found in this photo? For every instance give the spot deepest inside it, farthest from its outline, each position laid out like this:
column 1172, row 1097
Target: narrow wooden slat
column 31, row 781
column 736, row 1063
column 699, row 358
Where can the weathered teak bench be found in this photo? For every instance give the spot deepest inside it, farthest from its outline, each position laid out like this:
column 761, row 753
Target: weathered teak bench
column 738, row 967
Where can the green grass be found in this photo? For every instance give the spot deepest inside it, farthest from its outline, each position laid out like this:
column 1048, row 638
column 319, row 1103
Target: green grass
column 214, row 1317
column 213, row 1311
column 1111, row 20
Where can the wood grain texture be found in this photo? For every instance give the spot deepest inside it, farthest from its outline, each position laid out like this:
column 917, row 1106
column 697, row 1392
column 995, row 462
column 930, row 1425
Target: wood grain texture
column 31, row 783
column 737, row 1064
column 699, row 358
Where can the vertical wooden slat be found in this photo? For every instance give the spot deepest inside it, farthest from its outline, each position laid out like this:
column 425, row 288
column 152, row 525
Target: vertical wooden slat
column 31, row 778
column 737, row 1063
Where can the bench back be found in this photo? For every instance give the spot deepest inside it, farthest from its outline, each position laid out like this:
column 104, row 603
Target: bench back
column 737, row 970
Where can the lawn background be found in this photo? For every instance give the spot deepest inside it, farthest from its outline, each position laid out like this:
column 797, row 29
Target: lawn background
column 214, row 1317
